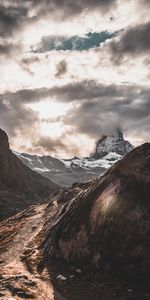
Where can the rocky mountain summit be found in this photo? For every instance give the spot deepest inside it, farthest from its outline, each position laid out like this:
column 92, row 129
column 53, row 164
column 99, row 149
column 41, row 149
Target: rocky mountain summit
column 114, row 143
column 64, row 172
column 19, row 185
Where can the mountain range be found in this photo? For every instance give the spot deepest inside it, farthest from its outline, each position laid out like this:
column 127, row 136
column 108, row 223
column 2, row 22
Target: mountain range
column 27, row 179
column 65, row 172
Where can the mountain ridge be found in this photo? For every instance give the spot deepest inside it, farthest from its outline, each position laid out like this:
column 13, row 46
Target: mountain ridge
column 65, row 172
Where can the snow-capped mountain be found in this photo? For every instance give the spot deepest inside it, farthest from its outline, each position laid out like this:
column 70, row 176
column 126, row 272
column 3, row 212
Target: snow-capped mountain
column 64, row 172
column 114, row 143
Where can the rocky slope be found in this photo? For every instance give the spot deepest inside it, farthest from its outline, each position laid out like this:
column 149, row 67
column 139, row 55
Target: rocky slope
column 108, row 222
column 67, row 171
column 95, row 246
column 19, row 185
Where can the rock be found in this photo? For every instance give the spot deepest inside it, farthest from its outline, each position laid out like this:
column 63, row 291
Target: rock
column 20, row 292
column 1, row 261
column 30, row 283
column 34, row 227
column 79, row 271
column 61, row 277
column 25, row 295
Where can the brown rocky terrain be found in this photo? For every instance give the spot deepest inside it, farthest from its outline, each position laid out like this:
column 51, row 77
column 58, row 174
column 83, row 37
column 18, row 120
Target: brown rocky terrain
column 19, row 185
column 110, row 220
column 95, row 246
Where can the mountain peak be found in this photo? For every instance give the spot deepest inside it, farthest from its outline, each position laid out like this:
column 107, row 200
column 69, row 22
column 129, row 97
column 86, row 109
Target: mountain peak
column 112, row 143
column 4, row 143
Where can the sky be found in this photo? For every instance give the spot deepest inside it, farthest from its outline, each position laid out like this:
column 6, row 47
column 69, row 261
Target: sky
column 72, row 71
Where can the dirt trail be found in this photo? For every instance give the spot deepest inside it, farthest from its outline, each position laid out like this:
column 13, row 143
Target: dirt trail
column 16, row 282
column 29, row 229
column 58, row 281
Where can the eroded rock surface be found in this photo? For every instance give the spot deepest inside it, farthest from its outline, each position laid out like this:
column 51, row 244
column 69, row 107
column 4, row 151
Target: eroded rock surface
column 110, row 220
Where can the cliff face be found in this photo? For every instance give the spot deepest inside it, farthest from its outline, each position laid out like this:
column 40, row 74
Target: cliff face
column 110, row 220
column 19, row 186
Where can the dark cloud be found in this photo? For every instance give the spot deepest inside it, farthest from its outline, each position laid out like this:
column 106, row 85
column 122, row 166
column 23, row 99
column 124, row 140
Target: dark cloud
column 61, row 68
column 128, row 107
column 15, row 116
column 25, row 96
column 133, row 41
column 84, row 90
column 70, row 8
column 13, row 15
column 49, row 145
column 79, row 43
column 9, row 49
column 144, row 2
column 6, row 48
column 45, row 144
column 26, row 64
column 103, row 116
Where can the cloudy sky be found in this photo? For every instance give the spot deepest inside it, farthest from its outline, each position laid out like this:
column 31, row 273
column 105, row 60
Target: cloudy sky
column 71, row 71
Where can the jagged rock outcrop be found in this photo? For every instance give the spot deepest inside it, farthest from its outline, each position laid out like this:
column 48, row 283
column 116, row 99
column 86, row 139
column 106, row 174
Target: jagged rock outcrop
column 19, row 186
column 113, row 143
column 110, row 221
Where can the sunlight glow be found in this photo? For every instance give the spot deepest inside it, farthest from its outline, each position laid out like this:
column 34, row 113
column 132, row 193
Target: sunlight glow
column 50, row 113
column 52, row 130
column 50, row 109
